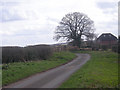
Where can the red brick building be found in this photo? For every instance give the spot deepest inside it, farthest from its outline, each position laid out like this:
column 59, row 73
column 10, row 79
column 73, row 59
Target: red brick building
column 107, row 40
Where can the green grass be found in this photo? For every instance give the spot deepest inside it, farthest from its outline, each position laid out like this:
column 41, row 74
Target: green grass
column 101, row 71
column 19, row 70
column 0, row 76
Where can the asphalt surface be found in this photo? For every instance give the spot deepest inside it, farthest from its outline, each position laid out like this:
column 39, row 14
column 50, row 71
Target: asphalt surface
column 52, row 78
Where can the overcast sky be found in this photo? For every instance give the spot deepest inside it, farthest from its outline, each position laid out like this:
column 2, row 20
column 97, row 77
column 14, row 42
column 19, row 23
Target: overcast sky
column 30, row 22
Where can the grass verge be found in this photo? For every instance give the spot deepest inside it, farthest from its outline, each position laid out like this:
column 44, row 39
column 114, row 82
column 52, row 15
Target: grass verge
column 99, row 72
column 16, row 71
column 0, row 76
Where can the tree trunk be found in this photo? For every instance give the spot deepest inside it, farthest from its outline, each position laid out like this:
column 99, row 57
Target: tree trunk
column 79, row 41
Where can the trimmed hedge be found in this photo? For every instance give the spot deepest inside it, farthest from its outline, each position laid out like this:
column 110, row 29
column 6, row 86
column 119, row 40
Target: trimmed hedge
column 22, row 54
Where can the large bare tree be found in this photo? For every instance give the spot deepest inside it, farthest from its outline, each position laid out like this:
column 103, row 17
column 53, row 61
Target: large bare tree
column 73, row 26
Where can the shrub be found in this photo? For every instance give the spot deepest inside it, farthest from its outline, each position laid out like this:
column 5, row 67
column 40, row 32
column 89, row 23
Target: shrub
column 38, row 52
column 29, row 53
column 12, row 54
column 74, row 48
column 115, row 48
column 119, row 48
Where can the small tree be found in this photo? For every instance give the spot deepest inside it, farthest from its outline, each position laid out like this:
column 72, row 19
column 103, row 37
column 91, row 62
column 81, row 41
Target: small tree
column 91, row 40
column 73, row 26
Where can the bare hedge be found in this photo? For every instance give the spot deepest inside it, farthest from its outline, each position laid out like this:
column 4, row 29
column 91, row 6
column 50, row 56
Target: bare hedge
column 29, row 53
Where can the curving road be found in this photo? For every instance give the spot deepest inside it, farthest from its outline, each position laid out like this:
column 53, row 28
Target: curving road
column 52, row 78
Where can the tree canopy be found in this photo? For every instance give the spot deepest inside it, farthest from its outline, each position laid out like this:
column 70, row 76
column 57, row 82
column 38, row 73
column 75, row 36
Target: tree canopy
column 73, row 26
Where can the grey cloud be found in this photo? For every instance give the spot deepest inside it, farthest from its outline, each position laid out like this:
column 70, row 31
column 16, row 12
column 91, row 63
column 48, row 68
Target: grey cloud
column 52, row 19
column 24, row 40
column 109, row 27
column 119, row 18
column 105, row 5
column 108, row 8
column 2, row 3
column 30, row 32
column 6, row 16
column 109, row 24
column 5, row 9
column 109, row 12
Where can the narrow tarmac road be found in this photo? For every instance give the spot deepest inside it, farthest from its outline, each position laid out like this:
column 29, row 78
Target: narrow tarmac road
column 52, row 78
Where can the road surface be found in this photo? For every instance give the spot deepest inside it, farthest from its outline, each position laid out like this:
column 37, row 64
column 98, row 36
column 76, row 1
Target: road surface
column 52, row 78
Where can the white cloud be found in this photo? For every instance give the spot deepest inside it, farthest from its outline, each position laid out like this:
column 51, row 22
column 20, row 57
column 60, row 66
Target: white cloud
column 38, row 18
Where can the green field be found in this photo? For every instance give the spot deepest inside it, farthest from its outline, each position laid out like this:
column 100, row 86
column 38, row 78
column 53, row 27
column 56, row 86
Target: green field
column 15, row 71
column 0, row 76
column 101, row 71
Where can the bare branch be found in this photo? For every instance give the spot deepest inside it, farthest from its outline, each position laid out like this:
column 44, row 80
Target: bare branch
column 73, row 26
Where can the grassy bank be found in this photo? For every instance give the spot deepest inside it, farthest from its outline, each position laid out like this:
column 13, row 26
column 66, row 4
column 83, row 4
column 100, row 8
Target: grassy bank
column 0, row 76
column 99, row 72
column 16, row 71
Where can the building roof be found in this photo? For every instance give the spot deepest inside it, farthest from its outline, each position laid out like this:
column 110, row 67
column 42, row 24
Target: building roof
column 107, row 37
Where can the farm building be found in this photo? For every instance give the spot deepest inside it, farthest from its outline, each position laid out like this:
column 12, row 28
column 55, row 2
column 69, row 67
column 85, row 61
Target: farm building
column 107, row 40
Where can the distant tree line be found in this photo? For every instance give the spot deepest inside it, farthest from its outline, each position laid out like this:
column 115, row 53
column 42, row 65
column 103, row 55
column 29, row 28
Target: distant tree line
column 23, row 54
